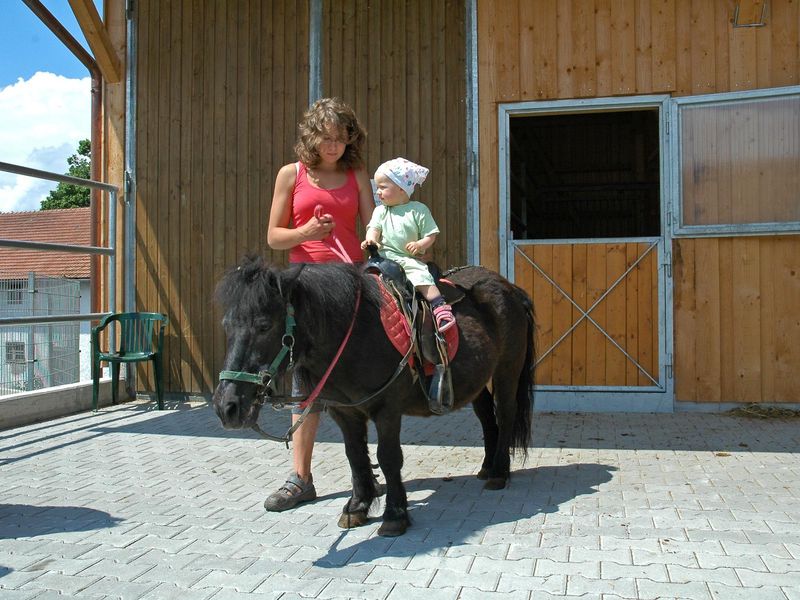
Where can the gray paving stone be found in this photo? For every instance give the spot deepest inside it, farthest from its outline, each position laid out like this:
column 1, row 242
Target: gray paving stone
column 404, row 591
column 148, row 503
column 578, row 585
column 110, row 587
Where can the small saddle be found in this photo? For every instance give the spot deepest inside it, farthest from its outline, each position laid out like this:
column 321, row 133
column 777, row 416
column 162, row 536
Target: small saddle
column 431, row 348
column 392, row 271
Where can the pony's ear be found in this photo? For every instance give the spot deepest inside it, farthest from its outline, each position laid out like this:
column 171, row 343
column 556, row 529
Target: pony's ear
column 289, row 277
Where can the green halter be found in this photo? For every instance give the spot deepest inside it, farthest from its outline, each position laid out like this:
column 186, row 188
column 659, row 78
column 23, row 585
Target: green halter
column 266, row 376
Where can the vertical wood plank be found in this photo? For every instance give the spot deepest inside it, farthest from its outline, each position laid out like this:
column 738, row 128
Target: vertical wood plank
column 785, row 319
column 727, row 367
column 562, row 314
column 746, row 303
column 704, row 68
column 584, row 47
column 566, row 64
column 603, row 57
column 633, row 315
column 647, row 323
column 707, row 320
column 784, row 23
column 362, row 45
column 488, row 136
column 538, row 28
column 768, row 276
column 683, row 42
column 578, row 338
column 664, row 45
column 371, row 116
column 426, row 151
column 723, row 12
column 644, row 47
column 508, row 51
column 596, row 267
column 684, row 319
column 542, row 294
column 615, row 315
column 413, row 104
column 398, row 59
column 743, row 60
column 185, row 256
column 623, row 46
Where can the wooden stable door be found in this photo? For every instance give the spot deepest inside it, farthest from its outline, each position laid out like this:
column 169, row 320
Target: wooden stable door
column 599, row 314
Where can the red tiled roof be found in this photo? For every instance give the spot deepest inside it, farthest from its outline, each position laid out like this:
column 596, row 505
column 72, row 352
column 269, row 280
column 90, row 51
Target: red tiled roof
column 61, row 226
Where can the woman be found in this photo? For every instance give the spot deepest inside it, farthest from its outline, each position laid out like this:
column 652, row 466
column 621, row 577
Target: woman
column 314, row 209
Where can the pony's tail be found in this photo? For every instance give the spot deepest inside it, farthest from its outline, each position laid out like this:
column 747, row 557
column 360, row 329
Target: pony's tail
column 521, row 431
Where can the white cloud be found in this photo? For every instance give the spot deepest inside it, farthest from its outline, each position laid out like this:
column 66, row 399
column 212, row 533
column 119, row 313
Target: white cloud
column 41, row 121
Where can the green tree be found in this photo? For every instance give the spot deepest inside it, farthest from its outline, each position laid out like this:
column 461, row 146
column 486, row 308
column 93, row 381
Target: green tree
column 67, row 195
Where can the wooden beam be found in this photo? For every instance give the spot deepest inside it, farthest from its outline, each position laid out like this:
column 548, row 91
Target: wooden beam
column 98, row 38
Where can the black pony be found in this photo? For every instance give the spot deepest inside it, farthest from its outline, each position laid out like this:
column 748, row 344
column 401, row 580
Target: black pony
column 495, row 323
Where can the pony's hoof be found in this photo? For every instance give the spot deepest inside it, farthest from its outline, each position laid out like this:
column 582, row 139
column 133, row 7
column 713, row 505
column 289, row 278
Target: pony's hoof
column 483, row 474
column 495, row 483
column 350, row 520
column 393, row 528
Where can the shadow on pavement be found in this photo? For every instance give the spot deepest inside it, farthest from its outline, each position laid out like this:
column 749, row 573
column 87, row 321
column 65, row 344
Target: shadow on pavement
column 457, row 511
column 25, row 520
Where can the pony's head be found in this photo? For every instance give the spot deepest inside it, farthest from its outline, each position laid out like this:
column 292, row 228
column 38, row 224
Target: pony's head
column 254, row 320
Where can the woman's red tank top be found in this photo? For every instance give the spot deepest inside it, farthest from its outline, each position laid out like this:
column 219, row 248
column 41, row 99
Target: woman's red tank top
column 341, row 203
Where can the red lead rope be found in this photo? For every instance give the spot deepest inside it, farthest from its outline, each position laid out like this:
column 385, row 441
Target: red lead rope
column 313, row 395
column 338, row 248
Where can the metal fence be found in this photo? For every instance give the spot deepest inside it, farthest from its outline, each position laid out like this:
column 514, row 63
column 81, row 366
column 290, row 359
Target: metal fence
column 35, row 356
column 38, row 349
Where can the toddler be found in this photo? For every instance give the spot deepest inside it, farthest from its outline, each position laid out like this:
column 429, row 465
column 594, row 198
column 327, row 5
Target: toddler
column 404, row 229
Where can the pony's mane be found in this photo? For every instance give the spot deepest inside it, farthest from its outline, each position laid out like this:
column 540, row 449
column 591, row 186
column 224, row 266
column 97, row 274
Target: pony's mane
column 325, row 293
column 244, row 288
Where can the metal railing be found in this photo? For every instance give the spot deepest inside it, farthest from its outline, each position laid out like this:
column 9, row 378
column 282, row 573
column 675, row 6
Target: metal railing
column 110, row 250
column 45, row 354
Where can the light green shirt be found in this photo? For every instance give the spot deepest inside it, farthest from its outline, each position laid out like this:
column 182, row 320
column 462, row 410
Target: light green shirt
column 400, row 225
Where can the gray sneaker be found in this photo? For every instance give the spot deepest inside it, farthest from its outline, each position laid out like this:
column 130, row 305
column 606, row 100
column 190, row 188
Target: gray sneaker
column 291, row 493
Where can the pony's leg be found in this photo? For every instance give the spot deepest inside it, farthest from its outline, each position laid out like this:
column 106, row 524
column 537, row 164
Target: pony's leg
column 505, row 412
column 390, row 458
column 354, row 429
column 483, row 406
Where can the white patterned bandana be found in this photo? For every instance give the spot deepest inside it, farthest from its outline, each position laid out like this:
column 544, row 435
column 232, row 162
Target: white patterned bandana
column 404, row 173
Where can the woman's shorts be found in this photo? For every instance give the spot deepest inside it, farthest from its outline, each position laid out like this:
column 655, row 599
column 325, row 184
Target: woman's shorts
column 299, row 390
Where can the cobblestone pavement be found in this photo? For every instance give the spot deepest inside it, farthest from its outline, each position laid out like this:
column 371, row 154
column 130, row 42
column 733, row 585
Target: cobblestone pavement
column 136, row 503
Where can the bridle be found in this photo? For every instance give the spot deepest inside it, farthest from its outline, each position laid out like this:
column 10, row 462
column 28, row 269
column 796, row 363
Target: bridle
column 265, row 378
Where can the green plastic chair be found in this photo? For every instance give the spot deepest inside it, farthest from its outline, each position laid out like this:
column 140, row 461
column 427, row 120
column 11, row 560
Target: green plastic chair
column 137, row 340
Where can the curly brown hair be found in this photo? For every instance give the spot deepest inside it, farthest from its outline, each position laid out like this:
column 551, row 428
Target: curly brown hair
column 323, row 114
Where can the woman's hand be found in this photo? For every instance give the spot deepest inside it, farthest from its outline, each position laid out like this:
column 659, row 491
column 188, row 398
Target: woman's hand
column 319, row 227
column 366, row 243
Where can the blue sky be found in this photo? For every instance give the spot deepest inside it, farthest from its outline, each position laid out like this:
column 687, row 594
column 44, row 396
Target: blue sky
column 27, row 45
column 44, row 99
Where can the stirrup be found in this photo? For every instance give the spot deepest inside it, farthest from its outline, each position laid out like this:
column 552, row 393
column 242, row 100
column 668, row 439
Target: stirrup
column 440, row 393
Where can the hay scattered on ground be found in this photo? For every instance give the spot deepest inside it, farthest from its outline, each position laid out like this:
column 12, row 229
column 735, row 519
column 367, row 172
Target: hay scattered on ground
column 757, row 411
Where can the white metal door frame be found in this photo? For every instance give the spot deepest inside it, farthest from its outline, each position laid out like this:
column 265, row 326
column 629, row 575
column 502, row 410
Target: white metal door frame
column 660, row 396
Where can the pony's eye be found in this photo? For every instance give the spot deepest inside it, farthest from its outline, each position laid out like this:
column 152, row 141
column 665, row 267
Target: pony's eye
column 262, row 327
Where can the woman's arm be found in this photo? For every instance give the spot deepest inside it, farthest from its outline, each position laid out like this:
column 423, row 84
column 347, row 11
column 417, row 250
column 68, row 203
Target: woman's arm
column 279, row 235
column 365, row 202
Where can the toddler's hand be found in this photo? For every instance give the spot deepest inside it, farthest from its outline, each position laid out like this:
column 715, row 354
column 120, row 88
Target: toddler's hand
column 414, row 248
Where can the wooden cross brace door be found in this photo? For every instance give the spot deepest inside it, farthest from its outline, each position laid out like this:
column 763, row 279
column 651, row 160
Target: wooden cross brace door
column 599, row 311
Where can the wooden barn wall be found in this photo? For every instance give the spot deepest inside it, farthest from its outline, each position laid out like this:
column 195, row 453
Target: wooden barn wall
column 401, row 66
column 221, row 86
column 736, row 300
